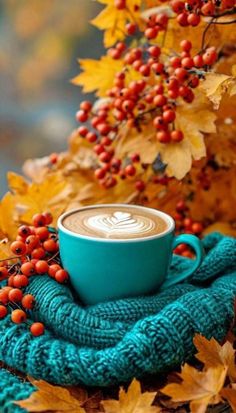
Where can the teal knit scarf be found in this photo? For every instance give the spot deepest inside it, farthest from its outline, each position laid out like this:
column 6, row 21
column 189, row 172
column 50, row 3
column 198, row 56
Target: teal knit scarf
column 113, row 342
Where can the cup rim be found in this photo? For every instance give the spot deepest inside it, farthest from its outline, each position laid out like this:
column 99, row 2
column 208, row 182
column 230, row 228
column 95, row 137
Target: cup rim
column 166, row 217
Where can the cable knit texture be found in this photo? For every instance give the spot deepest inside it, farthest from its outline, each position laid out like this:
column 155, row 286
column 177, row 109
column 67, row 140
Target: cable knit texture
column 112, row 342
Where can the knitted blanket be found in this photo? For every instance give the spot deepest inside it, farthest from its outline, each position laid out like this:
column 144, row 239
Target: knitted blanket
column 112, row 342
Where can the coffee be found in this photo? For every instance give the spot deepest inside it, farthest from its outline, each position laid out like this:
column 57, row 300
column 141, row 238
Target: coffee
column 115, row 222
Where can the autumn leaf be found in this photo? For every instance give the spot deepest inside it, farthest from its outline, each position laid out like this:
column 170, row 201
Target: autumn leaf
column 211, row 353
column 229, row 393
column 219, row 226
column 113, row 21
column 200, row 388
column 132, row 401
column 216, row 85
column 8, row 217
column 50, row 398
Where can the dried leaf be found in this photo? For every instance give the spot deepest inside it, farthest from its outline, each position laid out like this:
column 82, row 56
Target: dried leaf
column 211, row 353
column 216, row 85
column 113, row 21
column 200, row 388
column 52, row 398
column 132, row 401
column 229, row 393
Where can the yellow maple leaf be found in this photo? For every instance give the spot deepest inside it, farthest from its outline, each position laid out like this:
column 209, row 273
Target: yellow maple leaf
column 132, row 401
column 200, row 388
column 211, row 353
column 50, row 398
column 216, row 85
column 8, row 216
column 113, row 21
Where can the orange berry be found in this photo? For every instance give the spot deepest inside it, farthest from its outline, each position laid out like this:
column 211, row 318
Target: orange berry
column 41, row 267
column 50, row 245
column 38, row 253
column 15, row 295
column 3, row 311
column 61, row 276
column 39, row 220
column 53, row 269
column 42, row 233
column 3, row 273
column 20, row 281
column 18, row 247
column 24, row 231
column 27, row 268
column 3, row 296
column 28, row 301
column 37, row 329
column 18, row 316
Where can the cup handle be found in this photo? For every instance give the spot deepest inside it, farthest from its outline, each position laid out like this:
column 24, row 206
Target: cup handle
column 197, row 246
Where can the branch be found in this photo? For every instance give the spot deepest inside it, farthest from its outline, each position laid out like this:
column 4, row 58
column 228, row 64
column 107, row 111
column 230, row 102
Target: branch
column 230, row 22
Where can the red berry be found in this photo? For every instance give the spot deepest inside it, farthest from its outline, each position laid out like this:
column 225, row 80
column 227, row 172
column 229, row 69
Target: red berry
column 175, row 62
column 177, row 136
column 130, row 170
column 3, row 273
column 161, row 19
column 81, row 116
column 3, row 296
column 140, row 185
column 177, row 6
column 181, row 248
column 181, row 206
column 39, row 220
column 3, row 311
column 53, row 158
column 48, row 216
column 42, row 233
column 86, row 106
column 120, row 4
column 32, row 241
column 151, row 33
column 194, row 19
column 114, row 53
column 187, row 62
column 103, row 128
column 186, row 45
column 188, row 223
column 61, row 276
column 158, row 122
column 210, row 56
column 154, row 51
column 41, row 267
column 159, row 100
column 53, row 269
column 27, row 269
column 158, row 89
column 15, row 295
column 91, row 137
column 98, row 149
column 18, row 248
column 20, row 281
column 38, row 253
column 37, row 329
column 169, row 116
column 130, row 28
column 158, row 68
column 28, row 301
column 18, row 316
column 208, row 9
column 173, row 93
column 82, row 131
column 24, row 231
column 50, row 245
column 163, row 136
column 144, row 70
column 100, row 173
column 198, row 61
column 182, row 19
column 135, row 157
column 181, row 74
column 10, row 281
column 197, row 227
column 194, row 81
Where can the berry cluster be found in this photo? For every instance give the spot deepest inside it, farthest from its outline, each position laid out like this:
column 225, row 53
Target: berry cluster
column 189, row 12
column 185, row 224
column 36, row 251
column 131, row 104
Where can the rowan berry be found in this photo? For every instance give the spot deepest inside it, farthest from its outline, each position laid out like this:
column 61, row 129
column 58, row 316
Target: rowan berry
column 48, row 217
column 130, row 28
column 130, row 170
column 15, row 295
column 197, row 227
column 41, row 267
column 3, row 311
column 177, row 6
column 193, row 19
column 37, row 329
column 18, row 316
column 210, row 56
column 42, row 233
column 32, row 241
column 163, row 136
column 151, row 33
column 39, row 220
column 182, row 19
column 50, row 245
column 81, row 116
column 61, row 276
column 169, row 116
column 18, row 247
column 24, row 231
column 86, row 106
column 28, row 301
column 159, row 100
column 38, row 253
column 198, row 61
column 140, row 185
column 82, row 131
column 3, row 296
column 27, row 268
column 208, row 9
column 177, row 136
column 53, row 269
column 187, row 63
column 3, row 273
column 20, row 280
column 154, row 51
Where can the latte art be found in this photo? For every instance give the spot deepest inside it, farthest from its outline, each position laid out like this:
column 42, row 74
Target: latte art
column 119, row 222
column 122, row 223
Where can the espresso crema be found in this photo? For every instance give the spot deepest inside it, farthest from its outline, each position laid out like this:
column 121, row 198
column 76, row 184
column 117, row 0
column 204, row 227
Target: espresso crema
column 115, row 222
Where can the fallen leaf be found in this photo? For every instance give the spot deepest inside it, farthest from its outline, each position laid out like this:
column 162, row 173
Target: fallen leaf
column 229, row 393
column 132, row 401
column 50, row 398
column 219, row 226
column 211, row 353
column 216, row 85
column 200, row 388
column 113, row 21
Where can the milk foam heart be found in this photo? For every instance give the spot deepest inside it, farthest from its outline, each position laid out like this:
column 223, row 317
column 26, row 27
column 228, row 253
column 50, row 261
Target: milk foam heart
column 115, row 223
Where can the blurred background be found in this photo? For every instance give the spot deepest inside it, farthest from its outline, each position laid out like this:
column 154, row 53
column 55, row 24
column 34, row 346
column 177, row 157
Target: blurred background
column 40, row 41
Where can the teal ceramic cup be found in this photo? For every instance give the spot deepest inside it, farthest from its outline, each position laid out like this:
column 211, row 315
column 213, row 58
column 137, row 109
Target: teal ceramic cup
column 107, row 269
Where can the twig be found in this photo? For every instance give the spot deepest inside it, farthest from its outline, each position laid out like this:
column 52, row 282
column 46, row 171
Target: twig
column 205, row 32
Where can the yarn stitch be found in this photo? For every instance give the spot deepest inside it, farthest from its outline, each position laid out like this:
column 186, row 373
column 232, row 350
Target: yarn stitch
column 113, row 342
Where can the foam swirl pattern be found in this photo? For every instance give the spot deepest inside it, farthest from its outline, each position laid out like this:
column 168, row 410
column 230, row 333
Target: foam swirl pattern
column 144, row 335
